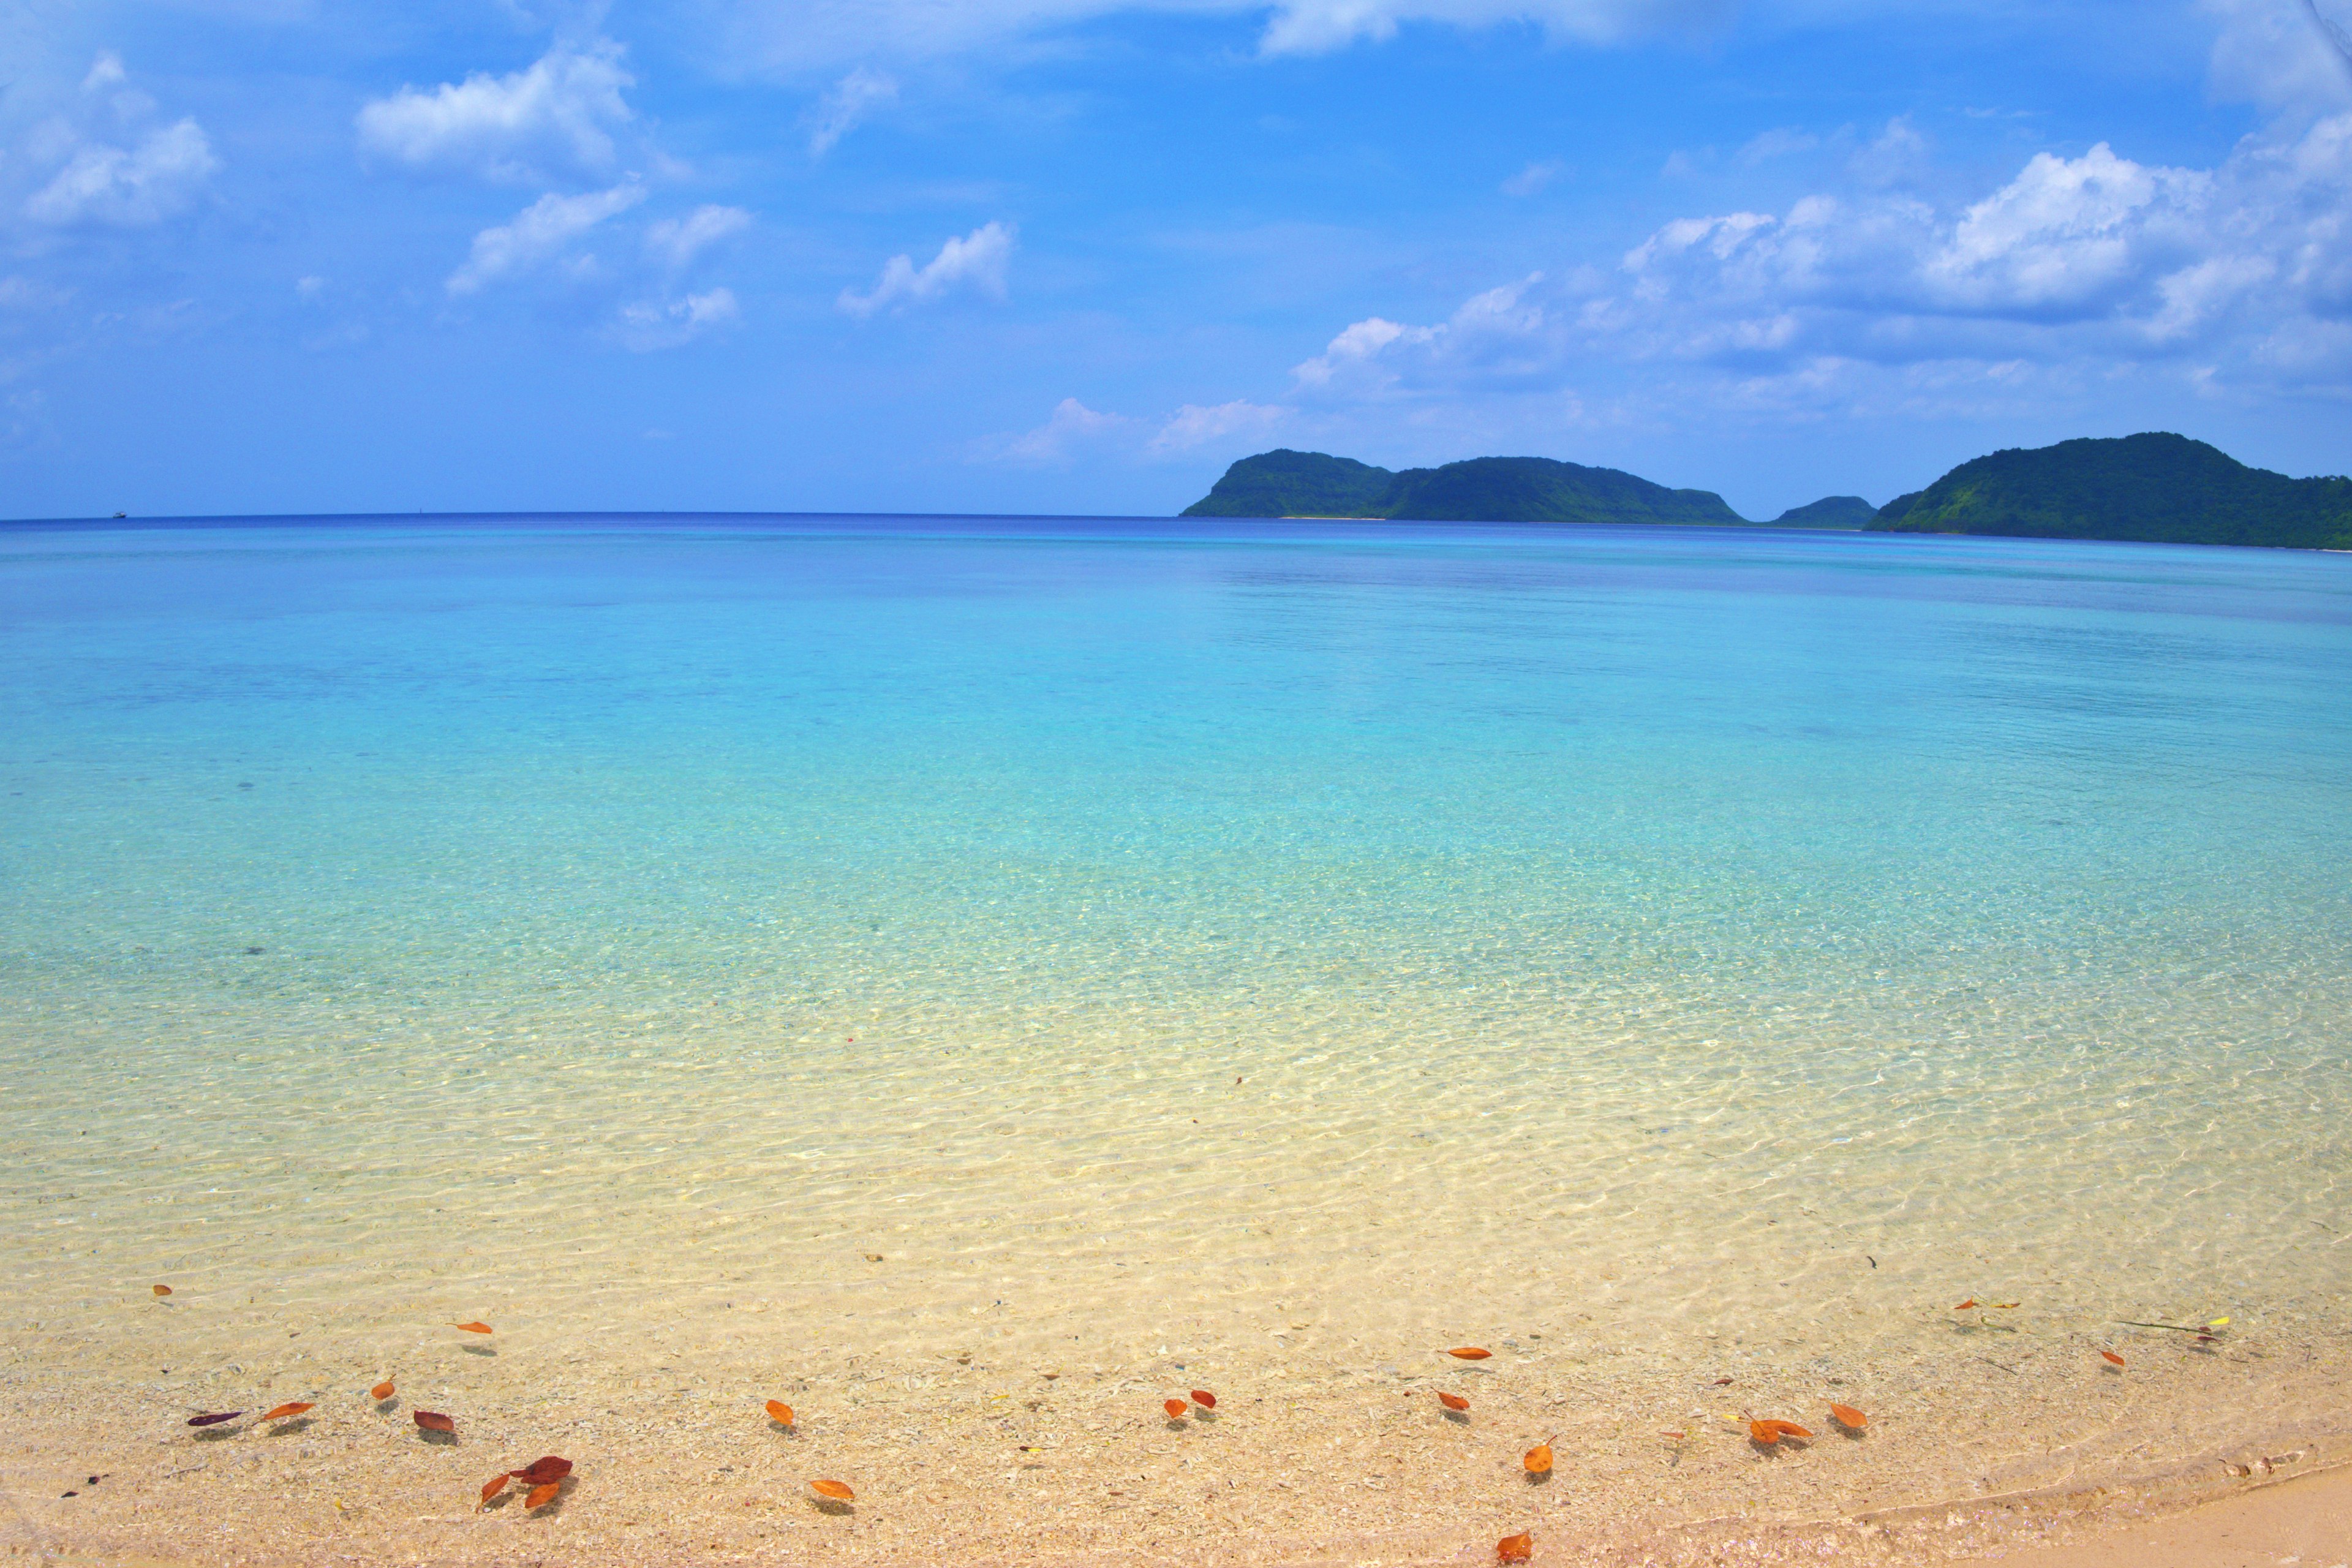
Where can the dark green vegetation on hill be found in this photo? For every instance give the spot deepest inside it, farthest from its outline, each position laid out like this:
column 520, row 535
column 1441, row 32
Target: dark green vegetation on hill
column 1479, row 490
column 1830, row 511
column 2159, row 488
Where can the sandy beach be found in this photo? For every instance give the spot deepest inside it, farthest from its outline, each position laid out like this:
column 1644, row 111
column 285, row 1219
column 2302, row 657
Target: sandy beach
column 982, row 1458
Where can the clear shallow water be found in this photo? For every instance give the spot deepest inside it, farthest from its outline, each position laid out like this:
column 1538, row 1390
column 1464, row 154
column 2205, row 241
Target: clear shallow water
column 1274, row 947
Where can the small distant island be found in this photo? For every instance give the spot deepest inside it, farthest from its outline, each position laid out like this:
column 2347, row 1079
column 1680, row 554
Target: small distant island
column 2157, row 487
column 1283, row 483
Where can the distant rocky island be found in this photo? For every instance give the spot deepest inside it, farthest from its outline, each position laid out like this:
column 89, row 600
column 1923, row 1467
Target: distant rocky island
column 2157, row 487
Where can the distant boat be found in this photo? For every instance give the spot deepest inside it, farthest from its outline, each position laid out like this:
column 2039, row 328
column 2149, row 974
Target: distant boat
column 121, row 514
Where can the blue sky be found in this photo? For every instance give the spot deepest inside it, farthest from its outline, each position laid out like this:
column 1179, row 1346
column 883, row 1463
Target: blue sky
column 1072, row 256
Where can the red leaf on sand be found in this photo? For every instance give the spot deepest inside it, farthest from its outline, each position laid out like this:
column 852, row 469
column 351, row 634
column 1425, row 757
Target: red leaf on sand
column 1847, row 1416
column 1470, row 1353
column 539, row 1472
column 2112, row 1358
column 434, row 1421
column 473, row 1328
column 1175, row 1408
column 1539, row 1459
column 214, row 1420
column 1515, row 1548
column 494, row 1486
column 1966, row 1305
column 779, row 1413
column 1770, row 1432
column 1204, row 1399
column 161, row 1289
column 1453, row 1402
column 284, row 1411
column 837, row 1490
column 541, row 1496
column 382, row 1390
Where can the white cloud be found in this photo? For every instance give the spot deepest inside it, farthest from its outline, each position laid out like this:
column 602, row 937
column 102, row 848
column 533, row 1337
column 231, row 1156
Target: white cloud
column 763, row 36
column 1532, row 178
column 143, row 184
column 104, row 72
column 653, row 325
column 537, row 233
column 976, row 261
column 848, row 101
column 557, row 116
column 2075, row 271
column 678, row 241
column 1194, row 426
column 1781, row 141
column 1071, row 426
column 2285, row 54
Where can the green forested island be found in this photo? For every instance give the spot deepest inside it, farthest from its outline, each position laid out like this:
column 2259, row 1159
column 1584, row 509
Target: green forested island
column 1478, row 490
column 2160, row 488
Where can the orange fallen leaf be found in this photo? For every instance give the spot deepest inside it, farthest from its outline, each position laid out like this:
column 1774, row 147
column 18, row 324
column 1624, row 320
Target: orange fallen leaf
column 283, row 1411
column 434, row 1421
column 162, row 1289
column 1847, row 1416
column 1175, row 1408
column 494, row 1486
column 539, row 1471
column 1204, row 1399
column 1790, row 1429
column 382, row 1390
column 837, row 1490
column 1539, row 1459
column 1470, row 1353
column 2112, row 1357
column 1770, row 1432
column 1515, row 1548
column 473, row 1328
column 1677, row 1437
column 1966, row 1305
column 2005, row 1306
column 779, row 1413
column 1453, row 1401
column 540, row 1495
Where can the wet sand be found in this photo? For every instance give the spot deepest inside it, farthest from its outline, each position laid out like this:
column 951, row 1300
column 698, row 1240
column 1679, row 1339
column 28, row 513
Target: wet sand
column 2307, row 1521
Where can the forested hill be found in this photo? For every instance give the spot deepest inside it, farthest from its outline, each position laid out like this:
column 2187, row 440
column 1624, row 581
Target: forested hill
column 1478, row 490
column 2157, row 487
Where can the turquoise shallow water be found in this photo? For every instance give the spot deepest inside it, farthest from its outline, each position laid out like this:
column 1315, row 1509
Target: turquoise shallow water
column 1261, row 938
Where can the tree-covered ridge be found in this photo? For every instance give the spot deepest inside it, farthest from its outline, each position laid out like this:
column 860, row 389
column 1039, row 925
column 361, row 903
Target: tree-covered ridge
column 1830, row 511
column 1285, row 483
column 2156, row 487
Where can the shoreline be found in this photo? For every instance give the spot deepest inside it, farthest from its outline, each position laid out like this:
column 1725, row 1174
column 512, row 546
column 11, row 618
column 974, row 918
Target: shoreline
column 1262, row 1481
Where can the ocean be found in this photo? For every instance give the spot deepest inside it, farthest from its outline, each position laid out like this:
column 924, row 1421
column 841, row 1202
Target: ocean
column 971, row 978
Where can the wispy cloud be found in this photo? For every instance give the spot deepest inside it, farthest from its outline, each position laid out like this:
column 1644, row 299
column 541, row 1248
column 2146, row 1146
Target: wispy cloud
column 655, row 324
column 538, row 232
column 1194, row 426
column 1069, row 429
column 159, row 177
column 803, row 38
column 976, row 261
column 1533, row 178
column 678, row 241
column 846, row 103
